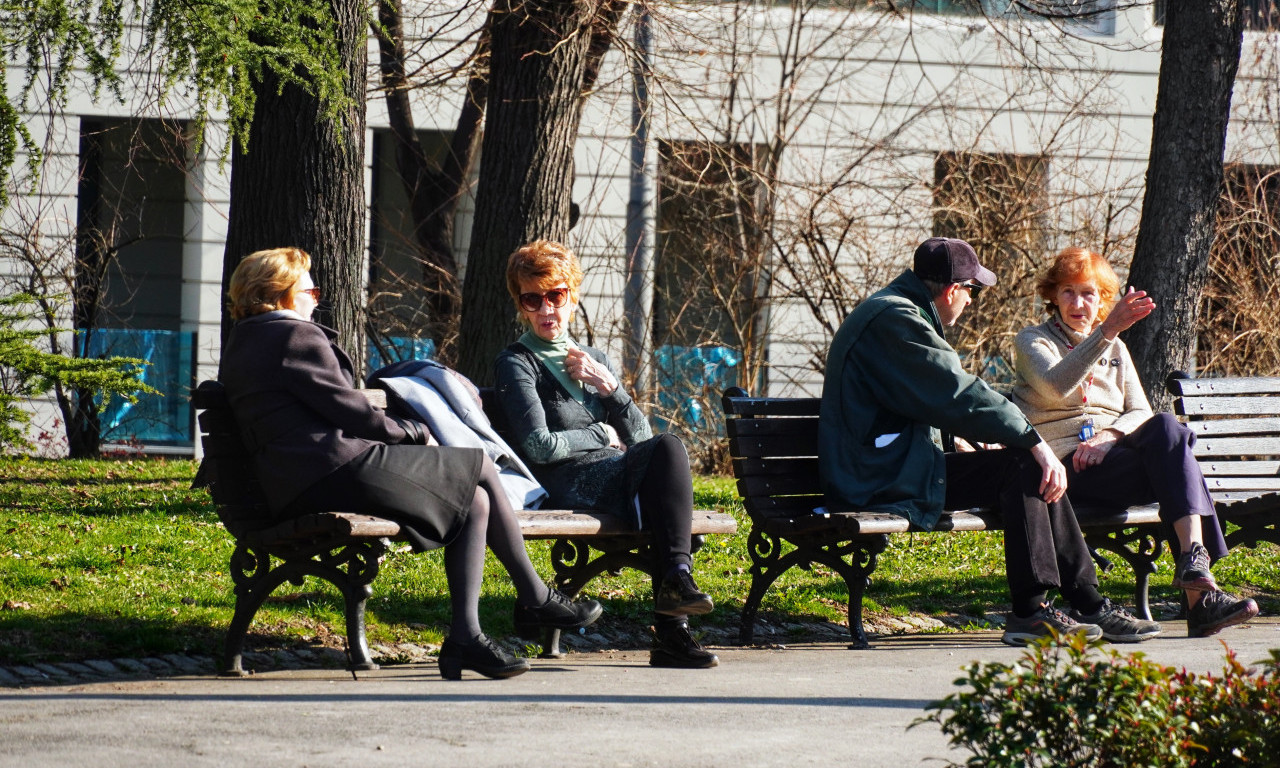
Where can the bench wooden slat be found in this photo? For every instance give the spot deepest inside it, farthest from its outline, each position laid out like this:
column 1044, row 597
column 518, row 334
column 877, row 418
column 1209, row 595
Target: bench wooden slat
column 326, row 524
column 566, row 523
column 869, row 523
column 1229, row 385
column 779, row 445
column 1258, row 468
column 1224, row 499
column 224, row 446
column 768, row 427
column 1237, row 446
column 1260, row 504
column 217, row 421
column 779, row 485
column 782, row 505
column 771, row 406
column 1228, row 406
column 807, row 465
column 1242, row 483
column 1089, row 517
column 1218, row 427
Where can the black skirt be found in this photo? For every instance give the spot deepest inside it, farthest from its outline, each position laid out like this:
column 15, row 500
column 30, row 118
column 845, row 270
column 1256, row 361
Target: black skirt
column 428, row 489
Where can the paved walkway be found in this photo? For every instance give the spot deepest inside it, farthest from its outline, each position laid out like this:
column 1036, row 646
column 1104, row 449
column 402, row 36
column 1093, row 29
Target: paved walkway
column 810, row 704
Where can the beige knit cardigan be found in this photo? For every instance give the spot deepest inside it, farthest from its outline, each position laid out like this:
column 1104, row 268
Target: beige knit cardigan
column 1053, row 366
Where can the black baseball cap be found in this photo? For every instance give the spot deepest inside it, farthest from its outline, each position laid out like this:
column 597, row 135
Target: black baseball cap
column 948, row 260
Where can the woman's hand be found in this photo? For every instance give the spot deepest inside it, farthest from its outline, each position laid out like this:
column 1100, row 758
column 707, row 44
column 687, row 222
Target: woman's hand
column 1092, row 451
column 583, row 367
column 1132, row 307
column 615, row 441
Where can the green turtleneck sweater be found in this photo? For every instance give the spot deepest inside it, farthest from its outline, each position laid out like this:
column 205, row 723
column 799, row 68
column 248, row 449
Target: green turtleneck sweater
column 552, row 355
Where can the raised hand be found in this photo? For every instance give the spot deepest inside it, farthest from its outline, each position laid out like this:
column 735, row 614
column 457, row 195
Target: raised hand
column 1132, row 307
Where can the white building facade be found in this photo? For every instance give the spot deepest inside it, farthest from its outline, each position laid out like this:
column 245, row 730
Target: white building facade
column 800, row 156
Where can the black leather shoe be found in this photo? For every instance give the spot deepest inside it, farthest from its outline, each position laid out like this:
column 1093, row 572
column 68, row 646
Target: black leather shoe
column 480, row 655
column 559, row 612
column 675, row 647
column 679, row 596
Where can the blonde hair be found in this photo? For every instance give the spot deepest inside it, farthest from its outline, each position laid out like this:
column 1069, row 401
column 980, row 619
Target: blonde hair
column 545, row 263
column 1079, row 265
column 262, row 280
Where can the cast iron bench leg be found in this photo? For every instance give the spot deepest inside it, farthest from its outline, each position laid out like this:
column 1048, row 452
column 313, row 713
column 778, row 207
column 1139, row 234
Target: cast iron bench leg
column 250, row 595
column 358, row 657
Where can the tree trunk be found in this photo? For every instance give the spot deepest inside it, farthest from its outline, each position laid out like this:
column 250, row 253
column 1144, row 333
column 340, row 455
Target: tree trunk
column 538, row 60
column 1198, row 62
column 300, row 182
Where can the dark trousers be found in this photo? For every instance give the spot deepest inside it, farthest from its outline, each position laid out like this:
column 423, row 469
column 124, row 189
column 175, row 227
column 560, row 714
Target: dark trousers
column 1043, row 546
column 1154, row 463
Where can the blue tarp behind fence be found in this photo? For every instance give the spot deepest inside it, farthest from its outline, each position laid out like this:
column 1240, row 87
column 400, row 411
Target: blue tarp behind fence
column 154, row 418
column 401, row 348
column 688, row 380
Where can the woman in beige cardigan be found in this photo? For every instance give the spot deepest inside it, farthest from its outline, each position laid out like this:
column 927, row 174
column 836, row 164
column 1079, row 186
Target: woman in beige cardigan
column 1078, row 386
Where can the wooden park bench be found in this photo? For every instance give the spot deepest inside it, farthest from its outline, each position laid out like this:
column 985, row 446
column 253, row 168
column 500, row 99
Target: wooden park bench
column 346, row 548
column 773, row 443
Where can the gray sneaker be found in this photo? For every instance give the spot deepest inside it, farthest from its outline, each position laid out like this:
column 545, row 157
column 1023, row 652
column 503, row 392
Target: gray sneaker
column 1020, row 631
column 1216, row 611
column 1193, row 570
column 1118, row 625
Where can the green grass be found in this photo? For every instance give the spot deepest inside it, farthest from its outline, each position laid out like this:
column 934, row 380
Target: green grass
column 116, row 558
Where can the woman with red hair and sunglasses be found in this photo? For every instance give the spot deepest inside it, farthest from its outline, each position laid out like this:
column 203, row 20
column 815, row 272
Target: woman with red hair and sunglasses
column 590, row 446
column 1078, row 386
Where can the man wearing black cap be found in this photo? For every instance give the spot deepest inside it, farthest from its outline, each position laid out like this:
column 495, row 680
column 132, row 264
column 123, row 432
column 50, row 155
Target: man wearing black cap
column 892, row 382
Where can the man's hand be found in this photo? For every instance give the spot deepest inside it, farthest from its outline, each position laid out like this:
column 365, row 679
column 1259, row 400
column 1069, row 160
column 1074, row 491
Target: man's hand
column 1053, row 480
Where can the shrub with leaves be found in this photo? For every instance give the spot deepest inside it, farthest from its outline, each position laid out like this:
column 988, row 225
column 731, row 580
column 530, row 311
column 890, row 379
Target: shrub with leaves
column 27, row 371
column 1067, row 703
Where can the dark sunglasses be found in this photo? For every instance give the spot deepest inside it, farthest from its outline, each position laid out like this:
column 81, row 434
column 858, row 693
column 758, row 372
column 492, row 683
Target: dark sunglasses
column 532, row 302
column 314, row 293
column 974, row 288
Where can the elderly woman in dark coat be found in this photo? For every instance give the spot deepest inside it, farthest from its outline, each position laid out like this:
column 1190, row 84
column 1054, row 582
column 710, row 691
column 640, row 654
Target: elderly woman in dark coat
column 319, row 446
column 591, row 447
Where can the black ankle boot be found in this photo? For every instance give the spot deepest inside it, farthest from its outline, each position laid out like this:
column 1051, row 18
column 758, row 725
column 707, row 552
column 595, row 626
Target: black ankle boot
column 559, row 612
column 674, row 646
column 679, row 596
column 479, row 655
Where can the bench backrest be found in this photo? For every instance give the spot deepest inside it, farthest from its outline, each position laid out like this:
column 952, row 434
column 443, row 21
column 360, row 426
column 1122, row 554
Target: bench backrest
column 1237, row 427
column 773, row 442
column 227, row 467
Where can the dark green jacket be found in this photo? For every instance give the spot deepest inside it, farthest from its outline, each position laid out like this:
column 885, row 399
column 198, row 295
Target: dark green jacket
column 889, row 371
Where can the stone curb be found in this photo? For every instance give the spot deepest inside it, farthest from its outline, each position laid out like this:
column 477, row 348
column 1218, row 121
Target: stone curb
column 768, row 633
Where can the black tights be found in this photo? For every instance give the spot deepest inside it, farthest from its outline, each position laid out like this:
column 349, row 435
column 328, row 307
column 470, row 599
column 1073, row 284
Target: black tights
column 666, row 506
column 492, row 522
column 666, row 503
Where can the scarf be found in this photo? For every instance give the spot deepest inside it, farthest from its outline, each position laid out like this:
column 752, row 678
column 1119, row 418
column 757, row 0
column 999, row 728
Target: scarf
column 552, row 355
